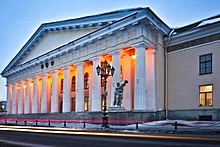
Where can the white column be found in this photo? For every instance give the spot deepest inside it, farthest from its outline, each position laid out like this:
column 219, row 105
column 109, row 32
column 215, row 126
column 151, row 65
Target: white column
column 96, row 86
column 140, row 77
column 116, row 56
column 151, row 79
column 36, row 97
column 27, row 108
column 90, row 85
column 80, row 87
column 15, row 99
column 55, row 98
column 21, row 98
column 66, row 90
column 44, row 100
column 9, row 99
column 127, row 94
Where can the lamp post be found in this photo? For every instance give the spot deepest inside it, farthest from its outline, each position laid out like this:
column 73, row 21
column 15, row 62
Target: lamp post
column 105, row 71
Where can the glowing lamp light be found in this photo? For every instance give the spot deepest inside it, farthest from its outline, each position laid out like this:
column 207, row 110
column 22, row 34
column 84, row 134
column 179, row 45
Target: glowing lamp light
column 133, row 56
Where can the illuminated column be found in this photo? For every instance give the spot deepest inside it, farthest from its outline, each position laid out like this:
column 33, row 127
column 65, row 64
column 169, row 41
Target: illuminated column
column 140, row 77
column 28, row 96
column 9, row 99
column 55, row 98
column 15, row 99
column 21, row 98
column 116, row 56
column 91, row 73
column 44, row 100
column 36, row 97
column 96, row 86
column 66, row 90
column 80, row 87
column 151, row 79
column 127, row 96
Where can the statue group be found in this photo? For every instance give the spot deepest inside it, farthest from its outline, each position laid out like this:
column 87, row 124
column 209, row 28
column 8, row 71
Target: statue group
column 118, row 94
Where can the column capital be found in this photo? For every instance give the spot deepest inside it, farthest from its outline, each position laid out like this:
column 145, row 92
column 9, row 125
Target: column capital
column 140, row 44
column 80, row 63
column 56, row 71
column 15, row 83
column 28, row 79
column 21, row 82
column 69, row 67
column 116, row 52
column 93, row 59
column 9, row 85
column 36, row 77
column 152, row 50
column 45, row 74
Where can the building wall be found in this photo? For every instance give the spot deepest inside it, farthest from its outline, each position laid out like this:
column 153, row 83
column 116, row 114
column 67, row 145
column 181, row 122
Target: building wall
column 184, row 79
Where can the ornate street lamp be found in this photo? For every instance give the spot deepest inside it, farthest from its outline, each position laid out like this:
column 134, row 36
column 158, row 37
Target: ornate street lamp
column 105, row 71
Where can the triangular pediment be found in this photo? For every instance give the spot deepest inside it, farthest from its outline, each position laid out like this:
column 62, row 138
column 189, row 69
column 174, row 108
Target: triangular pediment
column 53, row 40
column 50, row 36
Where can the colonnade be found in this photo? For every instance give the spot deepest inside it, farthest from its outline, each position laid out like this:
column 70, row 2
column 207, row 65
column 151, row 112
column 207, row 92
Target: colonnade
column 45, row 93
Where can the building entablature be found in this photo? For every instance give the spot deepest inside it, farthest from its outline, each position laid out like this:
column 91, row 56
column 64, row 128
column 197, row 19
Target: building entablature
column 127, row 31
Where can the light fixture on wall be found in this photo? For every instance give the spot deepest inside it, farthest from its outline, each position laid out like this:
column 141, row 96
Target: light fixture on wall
column 133, row 56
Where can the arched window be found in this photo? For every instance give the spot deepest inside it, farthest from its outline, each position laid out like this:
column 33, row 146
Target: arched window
column 86, row 81
column 73, row 85
column 61, row 86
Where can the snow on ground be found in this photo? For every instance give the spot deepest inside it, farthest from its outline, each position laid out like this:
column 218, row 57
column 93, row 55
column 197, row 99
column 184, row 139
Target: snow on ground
column 163, row 125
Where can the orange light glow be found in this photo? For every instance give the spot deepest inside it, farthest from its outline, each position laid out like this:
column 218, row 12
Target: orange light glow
column 133, row 56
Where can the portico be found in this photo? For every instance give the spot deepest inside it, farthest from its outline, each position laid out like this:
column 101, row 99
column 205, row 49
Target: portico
column 64, row 79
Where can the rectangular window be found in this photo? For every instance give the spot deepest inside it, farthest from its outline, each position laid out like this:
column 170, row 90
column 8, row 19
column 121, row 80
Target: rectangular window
column 86, row 103
column 205, row 95
column 205, row 64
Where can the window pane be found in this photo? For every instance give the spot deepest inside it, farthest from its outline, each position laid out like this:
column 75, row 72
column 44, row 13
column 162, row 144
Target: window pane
column 207, row 88
column 208, row 64
column 202, row 99
column 202, row 71
column 208, row 70
column 202, row 58
column 208, row 57
column 209, row 99
column 202, row 65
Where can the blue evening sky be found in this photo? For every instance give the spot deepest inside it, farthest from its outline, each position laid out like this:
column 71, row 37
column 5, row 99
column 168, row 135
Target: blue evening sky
column 19, row 19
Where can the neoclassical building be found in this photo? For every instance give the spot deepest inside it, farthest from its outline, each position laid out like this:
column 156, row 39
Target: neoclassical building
column 173, row 71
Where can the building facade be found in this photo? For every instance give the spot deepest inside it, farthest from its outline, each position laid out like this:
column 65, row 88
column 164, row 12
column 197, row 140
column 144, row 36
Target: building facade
column 169, row 70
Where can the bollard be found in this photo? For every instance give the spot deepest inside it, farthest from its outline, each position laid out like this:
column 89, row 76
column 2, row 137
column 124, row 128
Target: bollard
column 175, row 124
column 136, row 125
column 5, row 121
column 64, row 124
column 36, row 122
column 25, row 122
column 49, row 123
column 84, row 124
column 16, row 122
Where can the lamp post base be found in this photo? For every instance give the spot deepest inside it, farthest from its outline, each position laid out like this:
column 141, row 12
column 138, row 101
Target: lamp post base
column 105, row 120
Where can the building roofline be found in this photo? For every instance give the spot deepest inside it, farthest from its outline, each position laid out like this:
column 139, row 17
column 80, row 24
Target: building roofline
column 42, row 30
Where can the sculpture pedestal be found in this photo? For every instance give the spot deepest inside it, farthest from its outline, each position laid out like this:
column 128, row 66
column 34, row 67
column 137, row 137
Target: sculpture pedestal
column 116, row 109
